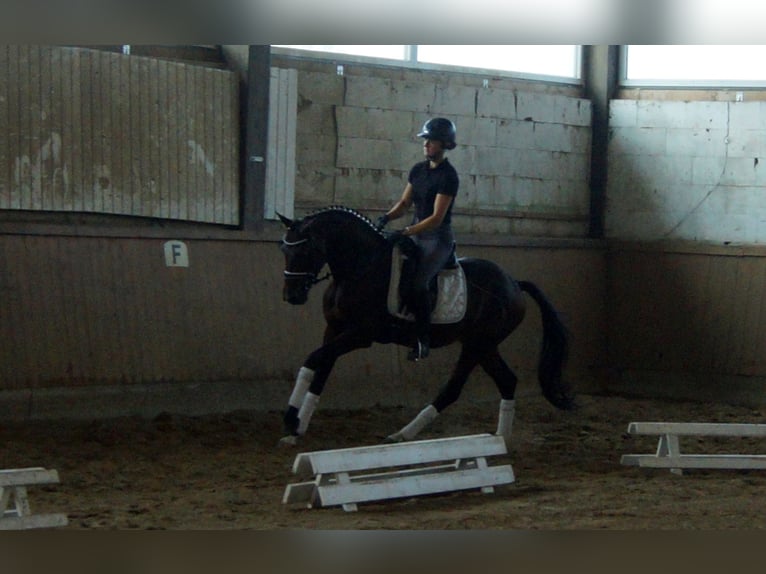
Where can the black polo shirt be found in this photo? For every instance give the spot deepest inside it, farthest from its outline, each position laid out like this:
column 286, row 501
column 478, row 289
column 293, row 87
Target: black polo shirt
column 427, row 183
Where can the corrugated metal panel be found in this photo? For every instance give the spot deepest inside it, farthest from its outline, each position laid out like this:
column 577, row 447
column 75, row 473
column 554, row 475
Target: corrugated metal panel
column 280, row 159
column 99, row 132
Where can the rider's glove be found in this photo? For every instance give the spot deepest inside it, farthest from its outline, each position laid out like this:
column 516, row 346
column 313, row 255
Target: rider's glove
column 381, row 222
column 404, row 243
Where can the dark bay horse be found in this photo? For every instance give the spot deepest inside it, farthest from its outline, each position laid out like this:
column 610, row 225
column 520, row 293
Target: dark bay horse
column 359, row 257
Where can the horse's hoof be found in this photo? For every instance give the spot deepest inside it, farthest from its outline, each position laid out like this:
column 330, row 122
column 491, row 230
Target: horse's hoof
column 289, row 440
column 394, row 438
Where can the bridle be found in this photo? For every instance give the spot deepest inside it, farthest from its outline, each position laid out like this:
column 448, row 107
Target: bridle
column 311, row 277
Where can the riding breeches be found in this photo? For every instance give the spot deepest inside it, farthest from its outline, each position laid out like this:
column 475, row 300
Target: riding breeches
column 435, row 251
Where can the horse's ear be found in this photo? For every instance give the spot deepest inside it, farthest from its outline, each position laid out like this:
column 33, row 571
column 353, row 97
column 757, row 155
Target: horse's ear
column 285, row 221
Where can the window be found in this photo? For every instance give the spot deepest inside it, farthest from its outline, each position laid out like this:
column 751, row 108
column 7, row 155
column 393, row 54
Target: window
column 560, row 61
column 373, row 51
column 549, row 61
column 697, row 65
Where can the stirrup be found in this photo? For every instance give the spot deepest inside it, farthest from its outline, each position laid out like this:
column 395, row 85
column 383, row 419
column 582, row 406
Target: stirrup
column 420, row 351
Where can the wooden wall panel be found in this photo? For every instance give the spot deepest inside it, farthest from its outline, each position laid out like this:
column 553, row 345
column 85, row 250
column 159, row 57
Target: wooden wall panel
column 6, row 169
column 77, row 312
column 280, row 159
column 690, row 315
column 83, row 312
column 99, row 132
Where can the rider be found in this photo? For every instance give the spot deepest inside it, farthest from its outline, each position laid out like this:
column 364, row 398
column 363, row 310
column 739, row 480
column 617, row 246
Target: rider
column 431, row 186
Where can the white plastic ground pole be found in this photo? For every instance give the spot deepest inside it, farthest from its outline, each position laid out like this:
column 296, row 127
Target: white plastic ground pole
column 350, row 476
column 15, row 510
column 669, row 454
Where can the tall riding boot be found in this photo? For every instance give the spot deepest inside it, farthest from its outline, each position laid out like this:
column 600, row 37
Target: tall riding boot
column 422, row 312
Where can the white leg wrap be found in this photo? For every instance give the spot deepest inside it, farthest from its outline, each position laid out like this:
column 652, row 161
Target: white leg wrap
column 307, row 410
column 505, row 419
column 305, row 376
column 424, row 418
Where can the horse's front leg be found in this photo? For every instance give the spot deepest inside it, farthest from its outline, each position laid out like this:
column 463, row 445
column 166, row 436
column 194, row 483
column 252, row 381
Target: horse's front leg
column 313, row 375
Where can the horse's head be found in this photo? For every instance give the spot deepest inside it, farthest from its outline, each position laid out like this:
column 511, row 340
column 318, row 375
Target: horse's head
column 304, row 259
column 342, row 238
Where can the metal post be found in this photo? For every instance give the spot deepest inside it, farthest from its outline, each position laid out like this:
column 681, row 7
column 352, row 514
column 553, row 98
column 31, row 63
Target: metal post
column 600, row 75
column 256, row 122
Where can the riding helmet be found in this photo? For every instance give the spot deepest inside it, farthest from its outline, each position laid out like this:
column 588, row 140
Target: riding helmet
column 440, row 129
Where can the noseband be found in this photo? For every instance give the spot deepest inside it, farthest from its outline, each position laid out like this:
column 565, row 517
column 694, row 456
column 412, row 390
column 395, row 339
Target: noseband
column 313, row 277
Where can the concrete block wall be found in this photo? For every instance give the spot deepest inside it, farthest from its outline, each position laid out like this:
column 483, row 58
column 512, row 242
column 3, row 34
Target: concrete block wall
column 687, row 170
column 523, row 157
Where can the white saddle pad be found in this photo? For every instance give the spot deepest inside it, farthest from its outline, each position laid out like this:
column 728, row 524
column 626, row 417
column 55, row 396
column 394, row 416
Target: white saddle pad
column 451, row 299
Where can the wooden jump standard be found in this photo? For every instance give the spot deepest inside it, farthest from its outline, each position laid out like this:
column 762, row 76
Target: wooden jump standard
column 669, row 455
column 353, row 475
column 13, row 488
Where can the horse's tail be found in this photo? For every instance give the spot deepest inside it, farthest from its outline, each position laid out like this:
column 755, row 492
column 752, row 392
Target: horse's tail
column 553, row 352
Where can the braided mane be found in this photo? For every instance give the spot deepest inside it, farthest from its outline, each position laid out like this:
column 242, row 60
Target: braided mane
column 349, row 211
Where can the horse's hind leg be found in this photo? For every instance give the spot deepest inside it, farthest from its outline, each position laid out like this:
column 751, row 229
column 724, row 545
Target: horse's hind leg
column 505, row 380
column 448, row 395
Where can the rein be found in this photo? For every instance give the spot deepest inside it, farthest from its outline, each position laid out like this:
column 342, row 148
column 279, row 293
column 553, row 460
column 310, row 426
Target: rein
column 314, row 278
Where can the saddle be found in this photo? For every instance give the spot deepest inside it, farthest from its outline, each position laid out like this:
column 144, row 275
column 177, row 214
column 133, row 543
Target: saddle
column 447, row 289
